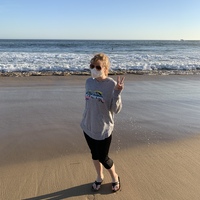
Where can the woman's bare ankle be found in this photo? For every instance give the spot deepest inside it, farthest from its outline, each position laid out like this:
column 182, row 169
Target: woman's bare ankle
column 100, row 178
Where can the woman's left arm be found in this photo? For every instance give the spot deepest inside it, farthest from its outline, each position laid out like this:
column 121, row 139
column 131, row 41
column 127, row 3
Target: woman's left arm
column 116, row 100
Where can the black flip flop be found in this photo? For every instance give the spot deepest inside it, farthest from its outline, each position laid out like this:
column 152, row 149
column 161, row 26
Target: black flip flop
column 96, row 184
column 116, row 183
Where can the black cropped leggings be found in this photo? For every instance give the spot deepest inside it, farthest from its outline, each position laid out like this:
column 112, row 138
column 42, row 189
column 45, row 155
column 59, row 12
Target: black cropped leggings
column 99, row 150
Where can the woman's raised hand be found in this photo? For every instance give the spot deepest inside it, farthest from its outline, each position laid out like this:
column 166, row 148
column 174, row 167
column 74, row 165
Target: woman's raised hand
column 120, row 83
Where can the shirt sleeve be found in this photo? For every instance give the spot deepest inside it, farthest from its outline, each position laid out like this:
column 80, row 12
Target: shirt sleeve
column 116, row 104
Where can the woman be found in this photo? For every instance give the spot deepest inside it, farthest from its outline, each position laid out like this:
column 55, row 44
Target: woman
column 103, row 99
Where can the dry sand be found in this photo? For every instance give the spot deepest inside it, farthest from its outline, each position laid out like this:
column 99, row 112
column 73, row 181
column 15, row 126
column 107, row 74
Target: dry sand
column 156, row 141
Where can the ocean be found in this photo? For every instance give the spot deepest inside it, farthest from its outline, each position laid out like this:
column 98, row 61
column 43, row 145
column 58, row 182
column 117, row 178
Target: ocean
column 74, row 55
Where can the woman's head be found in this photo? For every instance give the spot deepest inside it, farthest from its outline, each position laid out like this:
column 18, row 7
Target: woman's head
column 101, row 62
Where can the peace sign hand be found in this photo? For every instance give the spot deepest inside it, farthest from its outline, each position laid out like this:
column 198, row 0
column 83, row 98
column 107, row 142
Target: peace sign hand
column 120, row 83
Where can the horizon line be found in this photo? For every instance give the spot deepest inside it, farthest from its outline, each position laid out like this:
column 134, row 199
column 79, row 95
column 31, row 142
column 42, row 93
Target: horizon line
column 104, row 39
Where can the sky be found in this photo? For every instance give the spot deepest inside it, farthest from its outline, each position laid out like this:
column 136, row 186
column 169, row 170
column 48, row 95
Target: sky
column 100, row 19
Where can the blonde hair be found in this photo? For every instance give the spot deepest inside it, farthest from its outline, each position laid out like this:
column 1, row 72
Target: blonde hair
column 105, row 60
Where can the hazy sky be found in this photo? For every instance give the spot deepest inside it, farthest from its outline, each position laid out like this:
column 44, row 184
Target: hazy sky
column 104, row 19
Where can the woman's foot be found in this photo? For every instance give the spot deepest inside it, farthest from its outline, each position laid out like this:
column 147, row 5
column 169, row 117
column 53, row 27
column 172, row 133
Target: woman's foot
column 97, row 184
column 116, row 185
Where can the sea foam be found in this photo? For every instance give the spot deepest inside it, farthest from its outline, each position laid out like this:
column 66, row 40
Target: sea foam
column 41, row 55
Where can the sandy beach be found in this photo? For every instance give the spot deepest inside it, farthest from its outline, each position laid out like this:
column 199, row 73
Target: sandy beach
column 155, row 147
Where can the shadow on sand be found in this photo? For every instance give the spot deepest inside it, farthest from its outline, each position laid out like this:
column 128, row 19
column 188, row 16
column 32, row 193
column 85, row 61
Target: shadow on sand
column 81, row 190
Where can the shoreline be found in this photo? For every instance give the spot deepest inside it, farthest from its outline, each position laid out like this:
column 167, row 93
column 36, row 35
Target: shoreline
column 87, row 72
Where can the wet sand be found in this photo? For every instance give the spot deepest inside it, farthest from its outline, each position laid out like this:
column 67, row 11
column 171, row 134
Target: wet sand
column 156, row 141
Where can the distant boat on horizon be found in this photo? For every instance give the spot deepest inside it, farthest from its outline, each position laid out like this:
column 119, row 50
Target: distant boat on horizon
column 182, row 40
